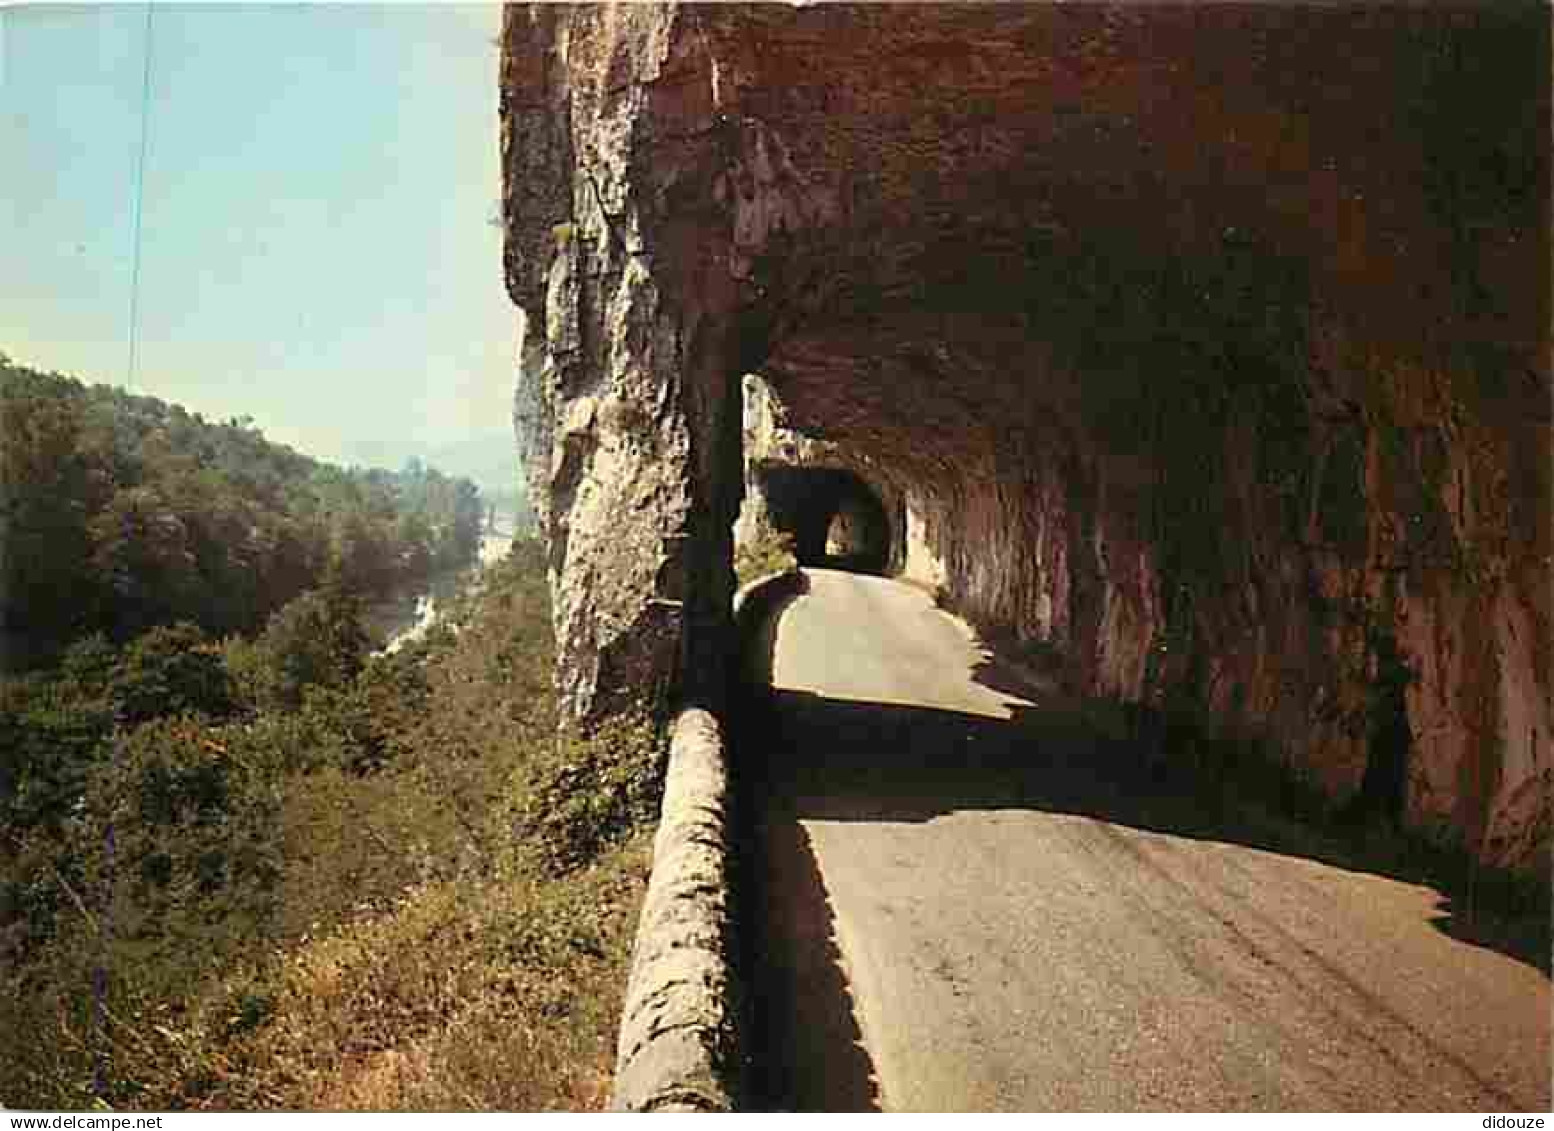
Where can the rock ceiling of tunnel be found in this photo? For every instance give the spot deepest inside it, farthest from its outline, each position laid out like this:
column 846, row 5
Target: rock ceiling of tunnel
column 995, row 187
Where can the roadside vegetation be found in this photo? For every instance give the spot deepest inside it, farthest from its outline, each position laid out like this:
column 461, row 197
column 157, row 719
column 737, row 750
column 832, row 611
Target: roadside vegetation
column 769, row 552
column 272, row 870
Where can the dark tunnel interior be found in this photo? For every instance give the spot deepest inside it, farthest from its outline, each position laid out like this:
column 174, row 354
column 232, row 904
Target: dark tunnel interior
column 834, row 517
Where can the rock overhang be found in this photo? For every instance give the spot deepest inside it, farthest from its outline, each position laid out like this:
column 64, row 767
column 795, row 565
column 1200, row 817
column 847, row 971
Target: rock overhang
column 1157, row 317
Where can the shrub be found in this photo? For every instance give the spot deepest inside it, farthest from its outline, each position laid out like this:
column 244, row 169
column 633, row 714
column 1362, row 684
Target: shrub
column 51, row 735
column 770, row 552
column 316, row 640
column 595, row 792
column 168, row 671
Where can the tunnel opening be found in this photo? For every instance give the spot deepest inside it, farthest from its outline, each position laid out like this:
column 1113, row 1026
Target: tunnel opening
column 835, row 519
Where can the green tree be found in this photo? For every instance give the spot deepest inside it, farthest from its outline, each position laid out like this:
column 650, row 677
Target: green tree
column 170, row 671
column 317, row 640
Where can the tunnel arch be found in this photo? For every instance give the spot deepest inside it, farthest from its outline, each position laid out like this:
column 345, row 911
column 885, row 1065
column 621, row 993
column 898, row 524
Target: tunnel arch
column 832, row 514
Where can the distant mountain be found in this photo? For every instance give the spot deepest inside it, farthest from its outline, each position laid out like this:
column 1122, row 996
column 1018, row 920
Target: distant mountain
column 491, row 460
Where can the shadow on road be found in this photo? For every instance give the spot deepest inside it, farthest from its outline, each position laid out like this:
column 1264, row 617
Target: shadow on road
column 809, row 1053
column 844, row 760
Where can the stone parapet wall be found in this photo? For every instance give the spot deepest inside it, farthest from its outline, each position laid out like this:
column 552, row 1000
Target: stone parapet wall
column 681, row 1045
column 678, row 1046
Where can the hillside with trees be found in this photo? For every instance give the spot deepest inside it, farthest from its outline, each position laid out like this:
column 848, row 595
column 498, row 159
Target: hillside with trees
column 284, row 873
column 120, row 513
column 247, row 862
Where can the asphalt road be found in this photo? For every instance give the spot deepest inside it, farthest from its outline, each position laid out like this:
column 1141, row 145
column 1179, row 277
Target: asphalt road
column 965, row 901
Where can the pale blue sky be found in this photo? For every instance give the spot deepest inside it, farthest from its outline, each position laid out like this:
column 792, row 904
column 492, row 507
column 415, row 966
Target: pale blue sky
column 315, row 248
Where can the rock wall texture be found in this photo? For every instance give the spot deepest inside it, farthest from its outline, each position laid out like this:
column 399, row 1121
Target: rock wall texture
column 632, row 411
column 1205, row 345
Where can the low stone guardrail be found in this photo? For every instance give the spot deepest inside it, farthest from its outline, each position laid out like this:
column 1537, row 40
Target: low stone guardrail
column 680, row 1046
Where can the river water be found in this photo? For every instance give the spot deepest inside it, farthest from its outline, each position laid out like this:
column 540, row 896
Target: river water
column 406, row 619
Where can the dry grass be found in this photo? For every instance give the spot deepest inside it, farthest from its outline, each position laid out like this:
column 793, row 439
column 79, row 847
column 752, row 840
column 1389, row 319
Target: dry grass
column 481, row 995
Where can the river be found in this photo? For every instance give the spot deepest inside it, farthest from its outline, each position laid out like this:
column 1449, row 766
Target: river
column 401, row 621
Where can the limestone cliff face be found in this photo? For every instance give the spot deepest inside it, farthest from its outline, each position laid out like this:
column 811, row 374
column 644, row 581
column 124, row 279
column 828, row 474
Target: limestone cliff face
column 631, row 408
column 1205, row 344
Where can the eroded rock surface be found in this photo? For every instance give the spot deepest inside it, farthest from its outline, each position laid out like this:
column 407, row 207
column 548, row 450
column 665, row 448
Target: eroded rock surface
column 1206, row 346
